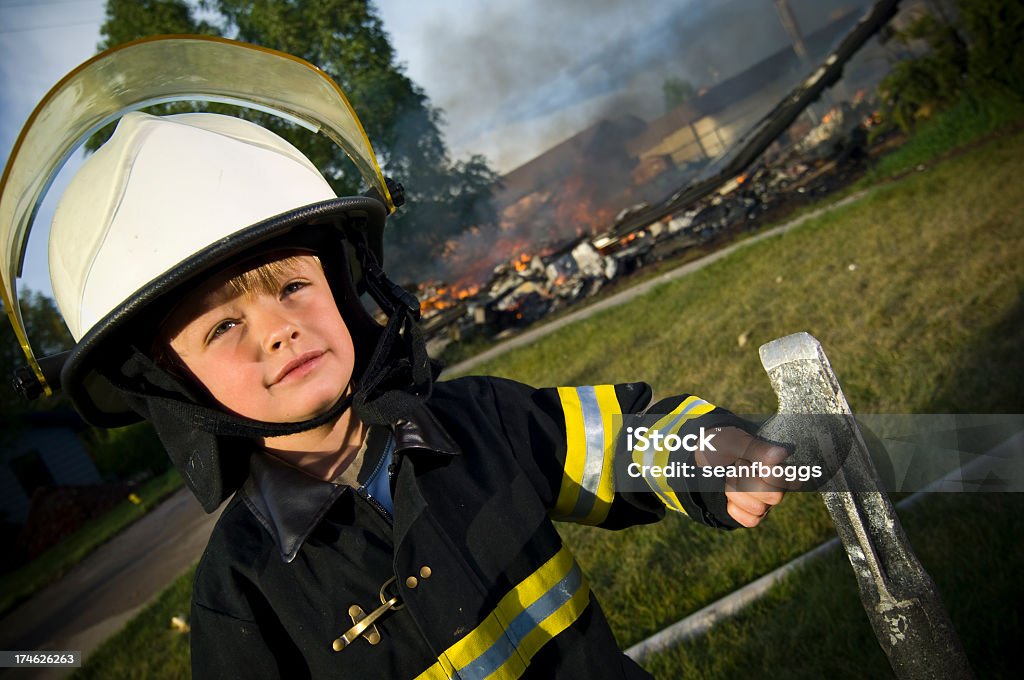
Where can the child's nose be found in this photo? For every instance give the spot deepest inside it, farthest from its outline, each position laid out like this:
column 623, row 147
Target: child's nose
column 282, row 337
column 280, row 332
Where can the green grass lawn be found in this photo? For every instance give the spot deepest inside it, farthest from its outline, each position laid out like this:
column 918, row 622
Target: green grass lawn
column 915, row 291
column 813, row 626
column 148, row 648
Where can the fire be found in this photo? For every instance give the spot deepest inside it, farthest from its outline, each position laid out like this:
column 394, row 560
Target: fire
column 436, row 298
column 576, row 208
column 522, row 262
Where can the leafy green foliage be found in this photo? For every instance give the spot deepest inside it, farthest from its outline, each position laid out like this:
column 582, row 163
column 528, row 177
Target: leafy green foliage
column 677, row 92
column 980, row 58
column 916, row 87
column 127, row 452
column 995, row 29
column 48, row 334
column 127, row 20
column 347, row 40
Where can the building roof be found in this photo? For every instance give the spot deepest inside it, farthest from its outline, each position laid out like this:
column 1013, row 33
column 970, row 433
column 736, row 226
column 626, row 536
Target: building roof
column 744, row 84
column 594, row 144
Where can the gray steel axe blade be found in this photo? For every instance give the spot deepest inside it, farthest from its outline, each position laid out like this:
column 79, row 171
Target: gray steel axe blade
column 899, row 597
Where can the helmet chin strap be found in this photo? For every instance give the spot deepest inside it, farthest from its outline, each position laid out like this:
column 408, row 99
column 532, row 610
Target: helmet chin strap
column 400, row 375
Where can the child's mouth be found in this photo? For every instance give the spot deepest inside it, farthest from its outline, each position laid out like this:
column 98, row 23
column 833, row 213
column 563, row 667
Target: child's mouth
column 298, row 367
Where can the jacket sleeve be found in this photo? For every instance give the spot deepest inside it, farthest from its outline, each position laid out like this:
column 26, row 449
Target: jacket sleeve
column 571, row 441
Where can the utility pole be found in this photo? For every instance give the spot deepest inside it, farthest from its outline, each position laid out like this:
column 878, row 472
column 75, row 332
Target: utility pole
column 792, row 28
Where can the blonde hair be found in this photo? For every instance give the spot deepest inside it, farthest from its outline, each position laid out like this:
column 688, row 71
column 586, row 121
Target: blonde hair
column 266, row 277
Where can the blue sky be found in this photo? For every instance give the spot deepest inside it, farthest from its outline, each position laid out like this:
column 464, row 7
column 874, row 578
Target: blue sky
column 39, row 42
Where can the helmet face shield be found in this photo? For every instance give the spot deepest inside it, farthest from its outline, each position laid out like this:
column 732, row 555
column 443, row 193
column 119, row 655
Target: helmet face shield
column 136, row 75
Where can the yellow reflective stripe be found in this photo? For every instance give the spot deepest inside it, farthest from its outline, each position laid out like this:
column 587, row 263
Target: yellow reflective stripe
column 527, row 617
column 586, row 490
column 689, row 408
column 575, row 451
column 543, row 633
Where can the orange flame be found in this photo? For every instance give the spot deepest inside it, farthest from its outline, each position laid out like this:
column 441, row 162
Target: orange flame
column 443, row 297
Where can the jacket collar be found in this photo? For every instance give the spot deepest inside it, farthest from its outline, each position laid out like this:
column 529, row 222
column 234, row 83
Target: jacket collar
column 290, row 504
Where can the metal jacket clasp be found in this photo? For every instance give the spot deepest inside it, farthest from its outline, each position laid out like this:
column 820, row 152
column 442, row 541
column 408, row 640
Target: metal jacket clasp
column 363, row 621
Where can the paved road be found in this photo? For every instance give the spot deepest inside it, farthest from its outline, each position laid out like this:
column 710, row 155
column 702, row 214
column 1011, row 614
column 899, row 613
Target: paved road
column 106, row 589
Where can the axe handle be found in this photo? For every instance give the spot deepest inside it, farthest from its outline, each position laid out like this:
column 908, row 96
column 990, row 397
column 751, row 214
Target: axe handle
column 899, row 597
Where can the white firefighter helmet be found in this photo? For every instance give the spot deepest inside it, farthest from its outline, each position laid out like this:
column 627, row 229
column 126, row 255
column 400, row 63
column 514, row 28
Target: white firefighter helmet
column 160, row 191
column 167, row 198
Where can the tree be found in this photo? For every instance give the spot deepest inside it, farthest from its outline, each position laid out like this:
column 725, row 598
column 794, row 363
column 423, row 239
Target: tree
column 347, row 40
column 677, row 92
column 48, row 334
column 995, row 29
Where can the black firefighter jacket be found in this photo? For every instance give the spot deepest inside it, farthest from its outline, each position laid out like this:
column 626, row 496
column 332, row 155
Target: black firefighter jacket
column 485, row 587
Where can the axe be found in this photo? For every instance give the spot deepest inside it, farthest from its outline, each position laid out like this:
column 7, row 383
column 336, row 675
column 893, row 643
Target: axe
column 900, row 599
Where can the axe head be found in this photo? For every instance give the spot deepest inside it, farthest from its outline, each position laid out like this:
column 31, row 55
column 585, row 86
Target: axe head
column 813, row 414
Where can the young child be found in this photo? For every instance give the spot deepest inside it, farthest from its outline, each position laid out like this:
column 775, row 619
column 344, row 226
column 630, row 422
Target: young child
column 379, row 524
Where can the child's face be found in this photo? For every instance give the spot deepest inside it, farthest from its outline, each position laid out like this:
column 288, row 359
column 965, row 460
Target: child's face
column 276, row 357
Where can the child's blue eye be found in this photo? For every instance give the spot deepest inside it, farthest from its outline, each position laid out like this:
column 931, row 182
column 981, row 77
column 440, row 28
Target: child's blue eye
column 293, row 287
column 222, row 328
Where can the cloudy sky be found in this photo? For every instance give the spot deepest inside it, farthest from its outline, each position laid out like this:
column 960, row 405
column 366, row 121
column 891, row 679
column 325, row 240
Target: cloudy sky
column 512, row 76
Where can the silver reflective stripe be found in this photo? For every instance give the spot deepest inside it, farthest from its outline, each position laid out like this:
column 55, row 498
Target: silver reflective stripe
column 593, row 426
column 683, row 416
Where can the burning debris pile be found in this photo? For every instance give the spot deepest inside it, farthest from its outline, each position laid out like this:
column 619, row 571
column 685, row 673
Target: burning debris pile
column 814, row 160
column 734, row 172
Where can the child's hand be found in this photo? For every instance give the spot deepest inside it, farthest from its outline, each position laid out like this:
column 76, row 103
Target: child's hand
column 748, row 499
